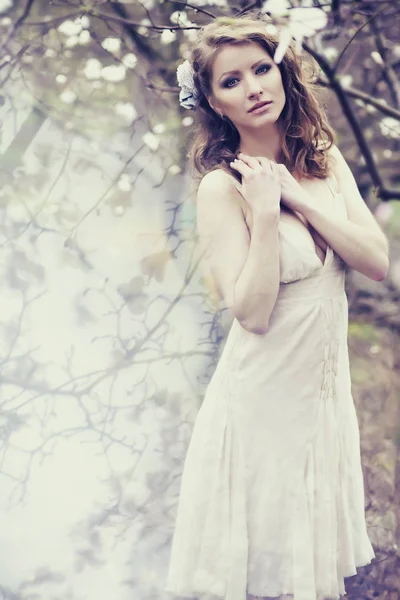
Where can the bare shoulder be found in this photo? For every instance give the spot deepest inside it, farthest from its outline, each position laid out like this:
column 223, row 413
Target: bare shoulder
column 219, row 178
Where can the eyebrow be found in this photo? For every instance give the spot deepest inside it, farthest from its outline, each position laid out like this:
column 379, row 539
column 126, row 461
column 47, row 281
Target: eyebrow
column 237, row 71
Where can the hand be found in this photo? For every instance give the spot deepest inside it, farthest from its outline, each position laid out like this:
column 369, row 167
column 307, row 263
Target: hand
column 261, row 187
column 293, row 195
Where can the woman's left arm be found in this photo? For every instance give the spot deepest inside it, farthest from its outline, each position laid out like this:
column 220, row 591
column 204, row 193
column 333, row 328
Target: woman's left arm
column 359, row 241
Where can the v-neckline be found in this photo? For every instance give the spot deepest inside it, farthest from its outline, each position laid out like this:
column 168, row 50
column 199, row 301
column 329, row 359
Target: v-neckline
column 329, row 249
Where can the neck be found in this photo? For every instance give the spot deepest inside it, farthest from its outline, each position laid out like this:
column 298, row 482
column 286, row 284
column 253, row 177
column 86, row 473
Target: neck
column 264, row 141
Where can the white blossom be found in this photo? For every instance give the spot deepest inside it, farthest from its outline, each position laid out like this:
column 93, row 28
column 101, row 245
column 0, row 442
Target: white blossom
column 179, row 17
column 271, row 29
column 277, row 8
column 376, row 57
column 330, row 53
column 142, row 30
column 301, row 22
column 69, row 27
column 148, row 4
column 124, row 184
column 113, row 73
column 187, row 121
column 5, row 5
column 174, row 169
column 374, row 349
column 390, row 127
column 5, row 21
column 92, row 68
column 159, row 128
column 167, row 36
column 306, row 21
column 129, row 60
column 126, row 110
column 151, row 140
column 68, row 96
column 84, row 37
column 84, row 21
column 396, row 50
column 61, row 78
column 111, row 44
column 72, row 41
column 346, row 80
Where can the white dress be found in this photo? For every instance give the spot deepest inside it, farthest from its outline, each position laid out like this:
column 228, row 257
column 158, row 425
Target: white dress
column 272, row 494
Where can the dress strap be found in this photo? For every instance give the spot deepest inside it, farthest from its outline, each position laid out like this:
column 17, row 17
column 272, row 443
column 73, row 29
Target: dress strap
column 332, row 184
column 235, row 182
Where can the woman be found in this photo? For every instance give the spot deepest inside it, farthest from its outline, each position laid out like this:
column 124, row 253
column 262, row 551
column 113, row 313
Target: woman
column 272, row 495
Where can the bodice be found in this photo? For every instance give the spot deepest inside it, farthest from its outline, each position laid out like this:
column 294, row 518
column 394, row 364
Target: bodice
column 297, row 256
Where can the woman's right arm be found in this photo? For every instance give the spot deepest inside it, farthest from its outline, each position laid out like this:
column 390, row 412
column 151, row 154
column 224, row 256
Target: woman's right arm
column 245, row 267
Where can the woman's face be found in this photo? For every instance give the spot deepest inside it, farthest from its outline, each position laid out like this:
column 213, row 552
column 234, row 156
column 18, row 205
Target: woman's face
column 242, row 76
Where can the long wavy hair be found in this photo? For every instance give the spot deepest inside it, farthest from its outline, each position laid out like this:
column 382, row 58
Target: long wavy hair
column 306, row 132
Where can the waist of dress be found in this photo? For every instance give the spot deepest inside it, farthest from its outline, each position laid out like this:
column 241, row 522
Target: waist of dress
column 326, row 284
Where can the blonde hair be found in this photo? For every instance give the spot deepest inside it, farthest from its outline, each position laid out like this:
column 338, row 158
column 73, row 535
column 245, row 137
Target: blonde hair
column 306, row 132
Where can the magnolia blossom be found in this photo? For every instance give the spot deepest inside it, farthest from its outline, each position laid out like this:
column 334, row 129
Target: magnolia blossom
column 220, row 3
column 179, row 17
column 390, row 127
column 148, row 4
column 126, row 110
column 113, row 73
column 301, row 22
column 330, row 53
column 68, row 96
column 84, row 21
column 50, row 53
column 129, row 60
column 142, row 29
column 174, row 169
column 69, row 27
column 84, row 37
column 5, row 5
column 124, row 183
column 111, row 44
column 376, row 57
column 72, row 41
column 167, row 36
column 151, row 140
column 61, row 78
column 119, row 210
column 159, row 128
column 92, row 68
column 346, row 80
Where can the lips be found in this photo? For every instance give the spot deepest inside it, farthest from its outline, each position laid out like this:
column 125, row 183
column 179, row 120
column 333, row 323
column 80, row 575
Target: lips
column 258, row 105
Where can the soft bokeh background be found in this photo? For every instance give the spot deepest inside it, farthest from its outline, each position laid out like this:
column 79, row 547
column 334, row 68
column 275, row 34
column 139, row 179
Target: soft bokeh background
column 109, row 331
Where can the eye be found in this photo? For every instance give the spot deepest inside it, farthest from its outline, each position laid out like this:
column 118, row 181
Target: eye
column 228, row 81
column 266, row 66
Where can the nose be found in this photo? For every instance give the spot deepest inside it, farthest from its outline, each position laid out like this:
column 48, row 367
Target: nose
column 253, row 87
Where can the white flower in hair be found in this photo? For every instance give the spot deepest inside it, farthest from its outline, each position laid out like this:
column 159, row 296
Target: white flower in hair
column 188, row 95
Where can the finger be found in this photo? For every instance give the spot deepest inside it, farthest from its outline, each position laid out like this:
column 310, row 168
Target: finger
column 241, row 167
column 252, row 161
column 264, row 162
